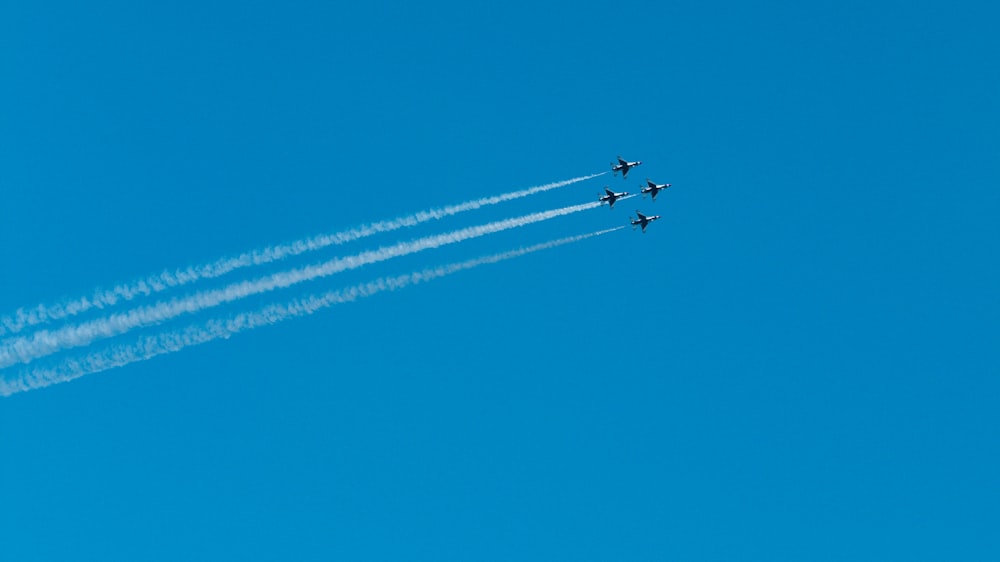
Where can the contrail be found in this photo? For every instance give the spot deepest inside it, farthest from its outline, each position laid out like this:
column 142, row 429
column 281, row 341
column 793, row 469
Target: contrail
column 42, row 313
column 148, row 347
column 45, row 342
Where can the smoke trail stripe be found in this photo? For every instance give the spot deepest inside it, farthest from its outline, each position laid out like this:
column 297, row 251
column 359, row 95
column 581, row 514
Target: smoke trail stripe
column 148, row 347
column 166, row 280
column 46, row 342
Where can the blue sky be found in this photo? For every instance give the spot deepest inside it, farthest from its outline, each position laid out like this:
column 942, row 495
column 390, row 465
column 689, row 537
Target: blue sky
column 798, row 362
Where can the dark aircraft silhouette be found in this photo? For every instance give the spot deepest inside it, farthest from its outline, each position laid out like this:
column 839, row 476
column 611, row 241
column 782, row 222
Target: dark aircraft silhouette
column 611, row 196
column 643, row 221
column 653, row 188
column 623, row 166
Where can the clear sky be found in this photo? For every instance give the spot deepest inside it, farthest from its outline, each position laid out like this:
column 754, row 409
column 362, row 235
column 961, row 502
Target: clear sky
column 799, row 362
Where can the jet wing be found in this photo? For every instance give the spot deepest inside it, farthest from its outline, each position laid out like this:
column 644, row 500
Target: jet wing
column 622, row 161
column 609, row 192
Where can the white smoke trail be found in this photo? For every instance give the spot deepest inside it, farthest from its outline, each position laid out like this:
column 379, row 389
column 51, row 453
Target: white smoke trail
column 46, row 342
column 101, row 299
column 148, row 347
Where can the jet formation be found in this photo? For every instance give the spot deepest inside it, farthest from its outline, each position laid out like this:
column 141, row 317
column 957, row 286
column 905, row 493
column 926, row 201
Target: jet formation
column 652, row 188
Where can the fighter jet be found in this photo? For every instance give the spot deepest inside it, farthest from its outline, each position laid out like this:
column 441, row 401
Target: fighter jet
column 643, row 221
column 653, row 188
column 624, row 166
column 611, row 196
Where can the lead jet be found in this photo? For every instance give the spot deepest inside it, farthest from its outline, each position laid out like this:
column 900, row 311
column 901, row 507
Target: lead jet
column 611, row 196
column 653, row 188
column 623, row 166
column 643, row 221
